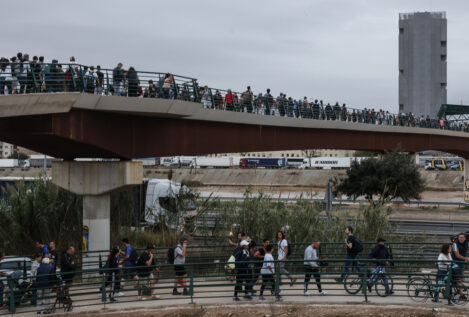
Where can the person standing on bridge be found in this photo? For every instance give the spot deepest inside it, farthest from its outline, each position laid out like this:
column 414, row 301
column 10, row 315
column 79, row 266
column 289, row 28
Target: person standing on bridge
column 354, row 247
column 283, row 253
column 117, row 79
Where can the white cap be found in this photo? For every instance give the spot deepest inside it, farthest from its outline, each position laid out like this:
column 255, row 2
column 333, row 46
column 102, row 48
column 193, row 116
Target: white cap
column 243, row 243
column 45, row 260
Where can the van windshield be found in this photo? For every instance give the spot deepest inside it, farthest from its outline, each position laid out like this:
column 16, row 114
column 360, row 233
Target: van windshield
column 170, row 203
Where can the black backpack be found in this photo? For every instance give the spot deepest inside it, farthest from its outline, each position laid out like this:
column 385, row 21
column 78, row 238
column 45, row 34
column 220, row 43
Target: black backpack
column 171, row 255
column 290, row 250
column 357, row 245
column 133, row 256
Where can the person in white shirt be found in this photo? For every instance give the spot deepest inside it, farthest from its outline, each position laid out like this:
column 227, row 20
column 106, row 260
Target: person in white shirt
column 282, row 256
column 268, row 273
column 311, row 267
column 444, row 264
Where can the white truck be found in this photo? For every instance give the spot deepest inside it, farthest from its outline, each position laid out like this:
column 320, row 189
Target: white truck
column 162, row 197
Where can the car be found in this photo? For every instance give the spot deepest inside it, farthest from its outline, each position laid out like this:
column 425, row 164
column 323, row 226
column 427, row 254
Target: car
column 12, row 264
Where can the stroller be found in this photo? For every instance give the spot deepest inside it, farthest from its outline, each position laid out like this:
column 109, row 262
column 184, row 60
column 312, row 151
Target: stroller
column 20, row 287
column 230, row 269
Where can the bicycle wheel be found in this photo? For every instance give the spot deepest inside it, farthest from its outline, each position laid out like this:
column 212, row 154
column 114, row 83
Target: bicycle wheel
column 380, row 286
column 418, row 289
column 459, row 295
column 353, row 283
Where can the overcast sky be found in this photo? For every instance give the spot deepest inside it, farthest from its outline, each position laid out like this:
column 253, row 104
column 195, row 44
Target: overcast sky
column 335, row 50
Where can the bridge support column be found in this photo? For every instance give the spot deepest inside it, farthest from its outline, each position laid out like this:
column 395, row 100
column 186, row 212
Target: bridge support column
column 466, row 179
column 96, row 181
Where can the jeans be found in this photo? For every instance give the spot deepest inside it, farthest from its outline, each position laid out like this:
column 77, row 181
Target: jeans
column 117, row 88
column 267, row 281
column 315, row 272
column 242, row 276
column 351, row 260
column 283, row 270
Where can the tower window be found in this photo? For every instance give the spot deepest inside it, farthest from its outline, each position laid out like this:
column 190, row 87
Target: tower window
column 401, row 30
column 443, row 43
column 443, row 85
column 443, row 58
column 401, row 71
column 401, row 107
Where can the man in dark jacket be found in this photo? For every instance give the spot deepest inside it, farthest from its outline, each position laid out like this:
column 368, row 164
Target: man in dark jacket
column 242, row 271
column 381, row 253
column 68, row 268
column 43, row 284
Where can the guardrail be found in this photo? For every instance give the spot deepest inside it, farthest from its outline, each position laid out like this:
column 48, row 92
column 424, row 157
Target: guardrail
column 34, row 77
column 410, row 280
column 345, row 201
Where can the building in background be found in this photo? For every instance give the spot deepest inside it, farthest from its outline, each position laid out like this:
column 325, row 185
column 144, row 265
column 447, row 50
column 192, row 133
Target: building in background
column 422, row 62
column 6, row 149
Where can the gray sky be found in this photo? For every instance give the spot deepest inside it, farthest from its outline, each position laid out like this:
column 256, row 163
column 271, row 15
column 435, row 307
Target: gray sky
column 335, row 50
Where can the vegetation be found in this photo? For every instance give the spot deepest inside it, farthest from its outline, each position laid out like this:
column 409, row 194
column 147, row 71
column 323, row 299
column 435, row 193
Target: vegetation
column 42, row 211
column 18, row 156
column 392, row 176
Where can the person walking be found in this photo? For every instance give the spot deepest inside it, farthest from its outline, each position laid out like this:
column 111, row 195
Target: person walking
column 444, row 264
column 459, row 253
column 179, row 261
column 268, row 273
column 113, row 273
column 381, row 253
column 258, row 257
column 117, row 79
column 67, row 263
column 146, row 264
column 282, row 245
column 242, row 271
column 43, row 284
column 354, row 247
column 311, row 267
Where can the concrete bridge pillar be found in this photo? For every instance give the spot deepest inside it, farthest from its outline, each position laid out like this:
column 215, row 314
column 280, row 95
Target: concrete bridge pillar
column 95, row 181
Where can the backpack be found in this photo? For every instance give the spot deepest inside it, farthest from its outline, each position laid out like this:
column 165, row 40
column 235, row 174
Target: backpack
column 171, row 255
column 357, row 245
column 133, row 258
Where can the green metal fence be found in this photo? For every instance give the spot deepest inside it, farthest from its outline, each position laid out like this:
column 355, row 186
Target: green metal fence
column 411, row 273
column 412, row 280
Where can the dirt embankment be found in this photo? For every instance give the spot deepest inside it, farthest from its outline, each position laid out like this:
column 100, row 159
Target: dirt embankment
column 287, row 310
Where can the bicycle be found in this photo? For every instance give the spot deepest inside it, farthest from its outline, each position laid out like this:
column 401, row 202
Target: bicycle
column 379, row 278
column 420, row 288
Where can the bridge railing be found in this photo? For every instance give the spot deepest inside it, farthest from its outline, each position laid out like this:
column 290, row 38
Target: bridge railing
column 57, row 77
column 410, row 280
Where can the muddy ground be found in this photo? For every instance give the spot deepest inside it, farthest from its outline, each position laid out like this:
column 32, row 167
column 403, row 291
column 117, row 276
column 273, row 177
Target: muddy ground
column 278, row 310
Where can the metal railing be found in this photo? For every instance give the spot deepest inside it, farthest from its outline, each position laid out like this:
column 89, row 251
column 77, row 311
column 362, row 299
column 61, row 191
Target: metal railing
column 410, row 280
column 33, row 77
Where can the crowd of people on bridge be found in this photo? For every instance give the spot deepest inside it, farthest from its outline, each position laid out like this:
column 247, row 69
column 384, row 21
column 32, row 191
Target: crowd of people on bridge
column 250, row 265
column 21, row 74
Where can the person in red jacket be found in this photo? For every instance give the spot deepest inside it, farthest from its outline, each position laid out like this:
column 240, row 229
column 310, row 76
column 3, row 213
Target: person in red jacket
column 229, row 100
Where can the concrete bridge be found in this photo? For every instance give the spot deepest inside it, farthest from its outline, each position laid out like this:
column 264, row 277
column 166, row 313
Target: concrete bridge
column 74, row 125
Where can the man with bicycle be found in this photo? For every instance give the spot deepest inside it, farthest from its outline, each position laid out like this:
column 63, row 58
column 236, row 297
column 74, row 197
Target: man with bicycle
column 381, row 253
column 459, row 249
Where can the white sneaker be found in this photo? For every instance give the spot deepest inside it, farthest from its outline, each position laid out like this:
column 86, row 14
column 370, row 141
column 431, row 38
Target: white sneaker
column 322, row 293
column 307, row 293
column 120, row 294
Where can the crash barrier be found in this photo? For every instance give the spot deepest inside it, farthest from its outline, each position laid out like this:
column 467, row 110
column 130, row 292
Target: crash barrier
column 412, row 280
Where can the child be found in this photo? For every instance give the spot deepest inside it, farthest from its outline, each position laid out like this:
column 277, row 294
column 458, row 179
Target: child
column 268, row 272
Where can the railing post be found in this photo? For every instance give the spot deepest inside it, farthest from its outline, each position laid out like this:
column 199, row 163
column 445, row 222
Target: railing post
column 277, row 280
column 364, row 282
column 103, row 289
column 449, row 282
column 12, row 308
column 191, row 285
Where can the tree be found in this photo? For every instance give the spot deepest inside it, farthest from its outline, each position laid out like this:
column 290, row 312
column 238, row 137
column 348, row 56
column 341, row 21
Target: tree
column 18, row 156
column 392, row 176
